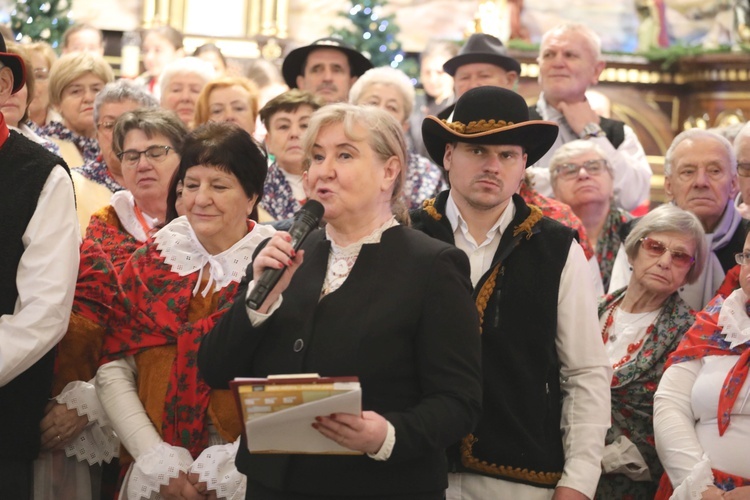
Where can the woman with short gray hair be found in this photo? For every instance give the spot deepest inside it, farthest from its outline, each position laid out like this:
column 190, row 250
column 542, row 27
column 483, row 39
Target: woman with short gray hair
column 391, row 90
column 181, row 83
column 582, row 178
column 641, row 325
column 113, row 100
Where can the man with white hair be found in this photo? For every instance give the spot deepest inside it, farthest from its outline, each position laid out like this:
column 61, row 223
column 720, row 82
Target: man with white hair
column 700, row 176
column 569, row 63
column 742, row 150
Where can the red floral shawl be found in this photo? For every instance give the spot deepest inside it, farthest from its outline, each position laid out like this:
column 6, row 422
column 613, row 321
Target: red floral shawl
column 105, row 228
column 704, row 338
column 96, row 286
column 153, row 312
column 560, row 212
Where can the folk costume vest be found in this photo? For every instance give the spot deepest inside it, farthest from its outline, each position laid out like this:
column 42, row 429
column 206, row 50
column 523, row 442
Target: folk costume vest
column 25, row 167
column 518, row 437
column 614, row 129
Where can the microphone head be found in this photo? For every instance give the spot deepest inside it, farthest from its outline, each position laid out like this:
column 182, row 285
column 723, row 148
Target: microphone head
column 312, row 209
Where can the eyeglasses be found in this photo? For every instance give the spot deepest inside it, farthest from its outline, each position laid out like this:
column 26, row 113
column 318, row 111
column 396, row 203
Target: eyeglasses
column 656, row 248
column 569, row 171
column 154, row 154
column 41, row 73
column 743, row 169
column 742, row 258
column 108, row 126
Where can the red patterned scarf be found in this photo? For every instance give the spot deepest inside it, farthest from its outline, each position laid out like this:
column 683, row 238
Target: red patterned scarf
column 705, row 338
column 152, row 312
column 105, row 229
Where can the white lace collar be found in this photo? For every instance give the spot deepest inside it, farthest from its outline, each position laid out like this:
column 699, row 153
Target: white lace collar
column 354, row 248
column 124, row 204
column 341, row 259
column 180, row 247
column 734, row 320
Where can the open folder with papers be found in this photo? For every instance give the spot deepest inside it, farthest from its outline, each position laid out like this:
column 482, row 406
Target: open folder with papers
column 279, row 411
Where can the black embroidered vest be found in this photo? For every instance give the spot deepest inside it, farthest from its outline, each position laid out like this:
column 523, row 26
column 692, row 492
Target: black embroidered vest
column 24, row 167
column 518, row 437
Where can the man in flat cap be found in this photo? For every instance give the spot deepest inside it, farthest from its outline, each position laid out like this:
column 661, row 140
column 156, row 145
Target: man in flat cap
column 481, row 61
column 546, row 375
column 39, row 240
column 327, row 68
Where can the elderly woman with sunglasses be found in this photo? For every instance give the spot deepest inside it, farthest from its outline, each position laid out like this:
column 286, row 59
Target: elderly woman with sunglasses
column 701, row 409
column 641, row 324
column 582, row 178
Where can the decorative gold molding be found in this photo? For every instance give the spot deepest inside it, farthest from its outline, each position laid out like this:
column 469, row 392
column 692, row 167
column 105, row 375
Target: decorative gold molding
column 267, row 18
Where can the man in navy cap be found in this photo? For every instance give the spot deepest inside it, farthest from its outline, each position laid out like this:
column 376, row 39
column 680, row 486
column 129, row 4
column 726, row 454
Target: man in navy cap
column 327, row 68
column 39, row 240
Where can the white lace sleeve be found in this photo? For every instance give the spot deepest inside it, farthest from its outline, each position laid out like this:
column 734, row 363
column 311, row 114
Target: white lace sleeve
column 696, row 483
column 217, row 469
column 156, row 468
column 97, row 442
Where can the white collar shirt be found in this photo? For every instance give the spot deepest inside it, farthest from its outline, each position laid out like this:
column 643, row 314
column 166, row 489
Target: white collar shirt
column 480, row 253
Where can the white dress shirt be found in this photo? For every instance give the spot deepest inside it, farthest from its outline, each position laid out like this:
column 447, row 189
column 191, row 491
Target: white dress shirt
column 45, row 280
column 685, row 425
column 632, row 181
column 585, row 372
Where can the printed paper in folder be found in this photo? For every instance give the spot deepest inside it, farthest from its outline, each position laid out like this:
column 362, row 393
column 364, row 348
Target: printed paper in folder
column 279, row 411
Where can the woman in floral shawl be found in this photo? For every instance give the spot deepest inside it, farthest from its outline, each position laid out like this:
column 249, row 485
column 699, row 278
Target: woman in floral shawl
column 133, row 214
column 582, row 178
column 641, row 324
column 115, row 232
column 180, row 434
column 285, row 118
column 701, row 410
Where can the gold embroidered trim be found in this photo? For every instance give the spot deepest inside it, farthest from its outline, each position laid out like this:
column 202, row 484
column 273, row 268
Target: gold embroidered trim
column 429, row 207
column 483, row 297
column 530, row 221
column 476, row 127
column 470, row 461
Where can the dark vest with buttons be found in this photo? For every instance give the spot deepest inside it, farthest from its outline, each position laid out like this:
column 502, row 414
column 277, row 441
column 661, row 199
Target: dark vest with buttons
column 518, row 437
column 614, row 129
column 24, row 169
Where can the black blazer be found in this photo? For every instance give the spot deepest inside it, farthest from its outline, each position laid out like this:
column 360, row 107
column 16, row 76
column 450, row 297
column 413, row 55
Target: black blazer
column 404, row 322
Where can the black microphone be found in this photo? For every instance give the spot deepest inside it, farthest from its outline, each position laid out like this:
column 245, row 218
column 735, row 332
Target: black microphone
column 305, row 221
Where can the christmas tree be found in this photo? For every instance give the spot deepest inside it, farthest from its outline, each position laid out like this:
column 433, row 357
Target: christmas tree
column 41, row 20
column 374, row 35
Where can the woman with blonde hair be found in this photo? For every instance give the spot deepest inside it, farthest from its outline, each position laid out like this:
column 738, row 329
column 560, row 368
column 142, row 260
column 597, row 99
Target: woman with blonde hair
column 181, row 83
column 228, row 99
column 74, row 81
column 42, row 57
column 366, row 297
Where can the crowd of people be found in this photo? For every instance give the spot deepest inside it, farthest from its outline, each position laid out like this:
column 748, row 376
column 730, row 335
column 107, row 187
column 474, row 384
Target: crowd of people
column 516, row 330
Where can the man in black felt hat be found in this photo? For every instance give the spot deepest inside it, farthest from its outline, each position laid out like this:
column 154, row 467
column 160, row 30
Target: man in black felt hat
column 481, row 61
column 39, row 240
column 327, row 67
column 546, row 405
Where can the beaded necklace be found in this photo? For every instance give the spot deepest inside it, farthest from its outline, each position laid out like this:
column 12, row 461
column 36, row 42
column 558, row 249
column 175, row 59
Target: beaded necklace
column 633, row 347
